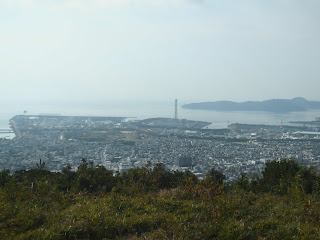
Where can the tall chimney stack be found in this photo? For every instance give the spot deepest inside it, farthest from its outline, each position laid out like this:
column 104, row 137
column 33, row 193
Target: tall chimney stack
column 176, row 109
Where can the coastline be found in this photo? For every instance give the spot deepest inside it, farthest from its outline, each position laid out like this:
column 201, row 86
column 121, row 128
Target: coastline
column 218, row 119
column 14, row 129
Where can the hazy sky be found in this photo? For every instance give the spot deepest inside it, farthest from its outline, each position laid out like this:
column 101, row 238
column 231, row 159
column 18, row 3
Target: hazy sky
column 159, row 50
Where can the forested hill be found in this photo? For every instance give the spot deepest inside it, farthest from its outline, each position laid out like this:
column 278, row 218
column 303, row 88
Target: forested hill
column 273, row 105
column 153, row 203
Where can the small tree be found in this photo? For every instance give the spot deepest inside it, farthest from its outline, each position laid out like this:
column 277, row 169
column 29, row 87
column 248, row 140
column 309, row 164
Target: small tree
column 4, row 177
column 216, row 176
column 41, row 165
column 278, row 176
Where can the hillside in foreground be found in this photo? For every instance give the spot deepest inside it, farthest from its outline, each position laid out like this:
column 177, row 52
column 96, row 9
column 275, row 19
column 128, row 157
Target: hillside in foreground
column 153, row 203
column 274, row 105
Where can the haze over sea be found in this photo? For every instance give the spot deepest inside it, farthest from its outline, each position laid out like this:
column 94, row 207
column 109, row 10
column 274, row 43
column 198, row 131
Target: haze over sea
column 143, row 110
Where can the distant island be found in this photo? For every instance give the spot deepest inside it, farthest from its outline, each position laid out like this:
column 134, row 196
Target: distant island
column 297, row 104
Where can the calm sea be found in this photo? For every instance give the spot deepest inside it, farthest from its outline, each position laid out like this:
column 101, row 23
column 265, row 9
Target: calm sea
column 142, row 110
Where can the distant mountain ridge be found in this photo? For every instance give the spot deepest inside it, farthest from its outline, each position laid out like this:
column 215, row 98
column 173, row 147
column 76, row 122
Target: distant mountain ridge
column 297, row 104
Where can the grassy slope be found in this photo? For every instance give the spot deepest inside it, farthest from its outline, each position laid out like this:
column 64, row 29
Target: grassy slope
column 47, row 213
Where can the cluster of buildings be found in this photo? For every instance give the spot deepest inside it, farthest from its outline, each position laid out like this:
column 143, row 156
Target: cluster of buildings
column 119, row 145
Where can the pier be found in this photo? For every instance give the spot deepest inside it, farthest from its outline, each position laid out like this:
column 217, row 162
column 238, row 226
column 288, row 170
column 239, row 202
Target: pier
column 6, row 131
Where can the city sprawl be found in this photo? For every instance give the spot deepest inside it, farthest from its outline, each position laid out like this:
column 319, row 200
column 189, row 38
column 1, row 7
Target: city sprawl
column 120, row 144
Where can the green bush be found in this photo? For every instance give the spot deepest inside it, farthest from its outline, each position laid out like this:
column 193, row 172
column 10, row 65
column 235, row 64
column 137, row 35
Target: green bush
column 153, row 203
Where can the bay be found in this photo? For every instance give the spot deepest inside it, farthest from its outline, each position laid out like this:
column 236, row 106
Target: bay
column 142, row 110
